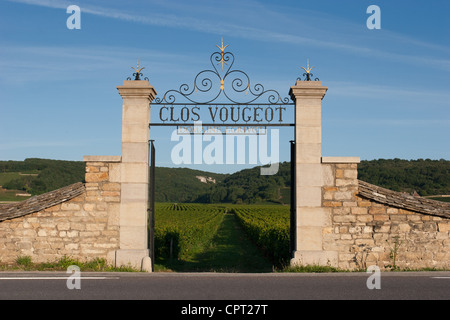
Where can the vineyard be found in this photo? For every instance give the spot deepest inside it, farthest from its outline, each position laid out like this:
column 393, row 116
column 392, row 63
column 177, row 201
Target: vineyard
column 268, row 227
column 183, row 229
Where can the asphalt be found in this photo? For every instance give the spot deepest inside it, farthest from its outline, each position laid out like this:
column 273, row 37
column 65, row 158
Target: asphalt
column 224, row 286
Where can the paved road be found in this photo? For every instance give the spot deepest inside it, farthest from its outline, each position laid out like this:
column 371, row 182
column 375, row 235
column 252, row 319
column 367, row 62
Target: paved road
column 215, row 286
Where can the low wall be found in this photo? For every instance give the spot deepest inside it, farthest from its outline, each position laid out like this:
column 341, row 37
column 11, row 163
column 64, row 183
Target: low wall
column 372, row 225
column 79, row 221
column 364, row 224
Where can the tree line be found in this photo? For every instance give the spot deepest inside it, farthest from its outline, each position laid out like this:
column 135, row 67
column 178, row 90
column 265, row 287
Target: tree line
column 51, row 174
column 425, row 176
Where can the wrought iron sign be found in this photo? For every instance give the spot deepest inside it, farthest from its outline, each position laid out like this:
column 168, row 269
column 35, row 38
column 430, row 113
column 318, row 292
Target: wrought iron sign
column 222, row 96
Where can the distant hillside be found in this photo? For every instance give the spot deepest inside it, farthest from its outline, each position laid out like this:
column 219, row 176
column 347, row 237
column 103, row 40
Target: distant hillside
column 36, row 176
column 426, row 177
column 184, row 185
column 249, row 186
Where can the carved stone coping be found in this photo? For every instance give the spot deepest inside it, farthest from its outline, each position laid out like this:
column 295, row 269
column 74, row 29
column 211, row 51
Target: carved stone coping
column 404, row 201
column 40, row 202
column 340, row 160
column 102, row 158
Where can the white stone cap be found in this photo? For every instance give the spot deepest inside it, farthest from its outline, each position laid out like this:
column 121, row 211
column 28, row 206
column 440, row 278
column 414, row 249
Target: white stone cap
column 102, row 158
column 341, row 160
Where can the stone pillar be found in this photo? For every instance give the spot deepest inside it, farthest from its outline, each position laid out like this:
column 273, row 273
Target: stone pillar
column 312, row 218
column 137, row 96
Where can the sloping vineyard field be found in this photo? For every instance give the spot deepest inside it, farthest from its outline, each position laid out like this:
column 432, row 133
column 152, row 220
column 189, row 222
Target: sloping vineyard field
column 268, row 227
column 181, row 229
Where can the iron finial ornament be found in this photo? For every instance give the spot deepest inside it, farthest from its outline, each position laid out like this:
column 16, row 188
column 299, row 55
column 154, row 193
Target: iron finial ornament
column 308, row 69
column 138, row 72
column 308, row 73
column 137, row 69
column 222, row 53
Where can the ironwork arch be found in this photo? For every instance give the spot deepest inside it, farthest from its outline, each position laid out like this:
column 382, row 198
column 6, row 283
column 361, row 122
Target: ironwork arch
column 239, row 81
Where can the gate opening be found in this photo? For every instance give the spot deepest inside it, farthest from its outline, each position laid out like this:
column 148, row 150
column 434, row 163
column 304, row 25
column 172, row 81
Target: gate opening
column 224, row 108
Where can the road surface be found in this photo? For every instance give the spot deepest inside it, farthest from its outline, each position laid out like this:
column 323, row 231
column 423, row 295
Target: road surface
column 217, row 286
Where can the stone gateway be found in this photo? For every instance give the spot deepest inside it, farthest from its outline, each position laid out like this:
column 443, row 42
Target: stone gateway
column 339, row 220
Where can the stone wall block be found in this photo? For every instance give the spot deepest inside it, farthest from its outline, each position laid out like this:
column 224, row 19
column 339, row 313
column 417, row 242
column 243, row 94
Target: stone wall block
column 96, row 177
column 375, row 219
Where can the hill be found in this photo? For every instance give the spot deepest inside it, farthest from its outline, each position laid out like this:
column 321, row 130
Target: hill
column 184, row 185
column 249, row 186
column 36, row 176
column 426, row 177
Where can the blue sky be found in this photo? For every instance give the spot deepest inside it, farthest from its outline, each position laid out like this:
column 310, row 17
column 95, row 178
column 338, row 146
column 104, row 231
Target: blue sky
column 388, row 90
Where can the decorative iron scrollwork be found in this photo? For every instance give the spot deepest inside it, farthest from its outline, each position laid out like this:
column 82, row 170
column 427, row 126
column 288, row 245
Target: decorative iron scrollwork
column 227, row 83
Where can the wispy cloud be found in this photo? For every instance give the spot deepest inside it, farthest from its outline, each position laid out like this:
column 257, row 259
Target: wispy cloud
column 80, row 62
column 389, row 123
column 391, row 93
column 322, row 38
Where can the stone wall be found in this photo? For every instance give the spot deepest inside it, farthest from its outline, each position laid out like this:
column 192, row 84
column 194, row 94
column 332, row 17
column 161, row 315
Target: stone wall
column 361, row 224
column 370, row 225
column 80, row 221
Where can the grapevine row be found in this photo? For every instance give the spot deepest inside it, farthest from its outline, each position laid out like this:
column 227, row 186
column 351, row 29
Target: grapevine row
column 182, row 228
column 268, row 227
